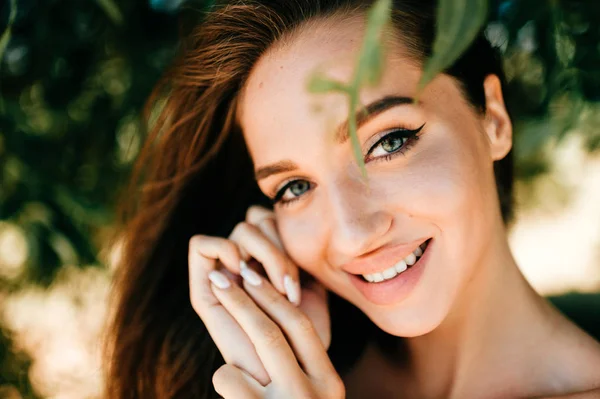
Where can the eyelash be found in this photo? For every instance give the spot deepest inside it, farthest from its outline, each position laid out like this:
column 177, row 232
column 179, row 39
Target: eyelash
column 409, row 135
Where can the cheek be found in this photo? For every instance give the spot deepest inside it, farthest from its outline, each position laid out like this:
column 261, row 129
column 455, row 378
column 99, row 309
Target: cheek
column 451, row 189
column 301, row 237
column 446, row 186
column 439, row 185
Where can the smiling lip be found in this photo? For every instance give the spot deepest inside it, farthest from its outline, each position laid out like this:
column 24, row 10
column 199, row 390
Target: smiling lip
column 395, row 290
column 382, row 259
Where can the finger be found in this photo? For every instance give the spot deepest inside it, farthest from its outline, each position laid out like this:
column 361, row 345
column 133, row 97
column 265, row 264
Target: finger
column 212, row 249
column 264, row 219
column 232, row 383
column 256, row 213
column 269, row 229
column 280, row 269
column 315, row 306
column 222, row 327
column 297, row 326
column 268, row 339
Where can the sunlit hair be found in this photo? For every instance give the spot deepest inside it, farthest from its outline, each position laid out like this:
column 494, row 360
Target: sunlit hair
column 194, row 176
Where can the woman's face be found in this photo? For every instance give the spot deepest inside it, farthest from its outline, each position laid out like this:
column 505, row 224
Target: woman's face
column 338, row 226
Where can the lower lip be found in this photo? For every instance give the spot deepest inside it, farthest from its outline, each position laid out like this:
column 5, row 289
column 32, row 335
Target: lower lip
column 395, row 290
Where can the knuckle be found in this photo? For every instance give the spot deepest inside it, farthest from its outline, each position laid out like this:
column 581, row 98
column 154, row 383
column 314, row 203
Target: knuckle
column 269, row 224
column 200, row 301
column 272, row 336
column 338, row 388
column 302, row 323
column 255, row 212
column 242, row 228
column 252, row 211
column 242, row 302
column 334, row 388
column 230, row 246
column 222, row 375
column 196, row 240
column 272, row 298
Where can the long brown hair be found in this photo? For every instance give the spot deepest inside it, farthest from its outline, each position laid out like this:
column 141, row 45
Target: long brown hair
column 194, row 176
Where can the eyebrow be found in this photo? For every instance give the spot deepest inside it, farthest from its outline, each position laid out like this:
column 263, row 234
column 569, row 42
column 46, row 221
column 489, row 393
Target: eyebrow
column 364, row 115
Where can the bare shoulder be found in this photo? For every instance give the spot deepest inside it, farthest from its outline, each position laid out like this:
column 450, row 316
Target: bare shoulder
column 579, row 362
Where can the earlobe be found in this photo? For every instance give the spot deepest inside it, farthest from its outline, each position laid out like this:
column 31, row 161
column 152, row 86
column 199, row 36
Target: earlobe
column 498, row 125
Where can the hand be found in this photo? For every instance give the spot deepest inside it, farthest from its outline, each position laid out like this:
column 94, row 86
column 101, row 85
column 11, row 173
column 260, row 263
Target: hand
column 285, row 339
column 256, row 238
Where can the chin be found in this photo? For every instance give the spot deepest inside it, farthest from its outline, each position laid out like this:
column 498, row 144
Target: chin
column 405, row 323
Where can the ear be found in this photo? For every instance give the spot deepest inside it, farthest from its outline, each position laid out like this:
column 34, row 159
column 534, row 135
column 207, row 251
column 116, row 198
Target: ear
column 497, row 125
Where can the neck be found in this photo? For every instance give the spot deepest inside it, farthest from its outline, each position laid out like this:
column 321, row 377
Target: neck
column 496, row 318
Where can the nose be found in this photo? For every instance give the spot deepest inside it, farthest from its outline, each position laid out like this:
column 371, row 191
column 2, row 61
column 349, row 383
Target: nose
column 358, row 221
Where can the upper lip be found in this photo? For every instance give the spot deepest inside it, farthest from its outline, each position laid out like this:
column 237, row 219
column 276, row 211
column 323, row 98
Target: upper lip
column 382, row 259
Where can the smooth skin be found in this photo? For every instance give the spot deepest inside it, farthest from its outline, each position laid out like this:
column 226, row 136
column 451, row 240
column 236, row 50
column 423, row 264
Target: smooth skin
column 260, row 333
column 473, row 326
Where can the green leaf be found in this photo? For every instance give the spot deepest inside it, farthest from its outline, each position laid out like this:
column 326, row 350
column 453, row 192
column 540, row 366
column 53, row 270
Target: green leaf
column 112, row 10
column 319, row 84
column 354, row 137
column 369, row 68
column 458, row 23
column 370, row 60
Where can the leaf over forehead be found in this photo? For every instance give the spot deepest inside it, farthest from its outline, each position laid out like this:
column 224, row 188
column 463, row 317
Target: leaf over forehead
column 457, row 25
column 368, row 69
column 317, row 83
column 370, row 58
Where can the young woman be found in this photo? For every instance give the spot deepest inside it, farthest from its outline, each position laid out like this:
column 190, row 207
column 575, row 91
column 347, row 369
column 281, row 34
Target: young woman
column 260, row 263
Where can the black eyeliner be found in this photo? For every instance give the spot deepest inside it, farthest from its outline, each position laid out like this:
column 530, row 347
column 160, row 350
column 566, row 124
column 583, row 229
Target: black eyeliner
column 398, row 132
column 410, row 136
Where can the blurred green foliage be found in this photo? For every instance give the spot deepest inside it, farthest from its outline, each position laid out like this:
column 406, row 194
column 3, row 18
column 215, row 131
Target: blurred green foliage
column 368, row 70
column 455, row 31
column 552, row 60
column 74, row 76
column 72, row 82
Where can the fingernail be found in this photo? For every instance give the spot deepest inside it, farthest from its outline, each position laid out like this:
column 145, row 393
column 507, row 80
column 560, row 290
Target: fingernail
column 292, row 289
column 250, row 276
column 243, row 265
column 218, row 279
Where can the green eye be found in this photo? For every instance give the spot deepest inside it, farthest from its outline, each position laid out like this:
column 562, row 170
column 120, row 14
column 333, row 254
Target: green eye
column 299, row 187
column 391, row 144
column 396, row 141
column 292, row 191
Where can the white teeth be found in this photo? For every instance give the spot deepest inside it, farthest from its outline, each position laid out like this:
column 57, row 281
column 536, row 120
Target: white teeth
column 389, row 273
column 410, row 259
column 399, row 267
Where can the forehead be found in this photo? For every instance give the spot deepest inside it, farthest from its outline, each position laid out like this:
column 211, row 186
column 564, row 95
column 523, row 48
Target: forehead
column 275, row 106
